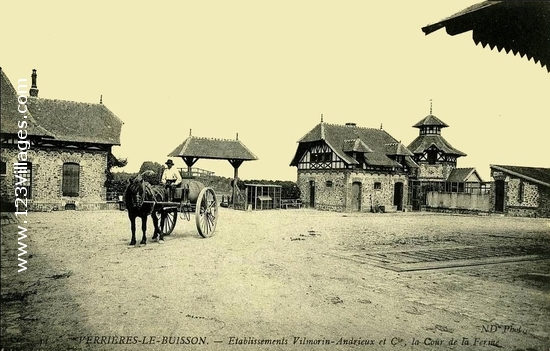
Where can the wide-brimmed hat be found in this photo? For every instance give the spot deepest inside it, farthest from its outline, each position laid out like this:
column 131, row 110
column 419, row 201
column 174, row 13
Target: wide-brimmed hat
column 170, row 162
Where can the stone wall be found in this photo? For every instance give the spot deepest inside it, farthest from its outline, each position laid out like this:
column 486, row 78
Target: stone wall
column 535, row 201
column 530, row 196
column 544, row 202
column 333, row 189
column 47, row 178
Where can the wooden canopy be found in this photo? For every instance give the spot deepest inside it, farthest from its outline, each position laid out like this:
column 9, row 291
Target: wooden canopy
column 194, row 148
column 232, row 150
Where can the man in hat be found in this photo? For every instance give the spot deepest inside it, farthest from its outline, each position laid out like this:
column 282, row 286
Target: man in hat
column 170, row 178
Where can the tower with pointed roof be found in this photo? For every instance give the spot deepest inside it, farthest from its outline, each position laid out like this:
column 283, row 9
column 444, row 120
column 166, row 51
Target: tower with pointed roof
column 435, row 156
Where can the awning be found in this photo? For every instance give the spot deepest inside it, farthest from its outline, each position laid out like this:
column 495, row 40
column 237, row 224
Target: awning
column 518, row 26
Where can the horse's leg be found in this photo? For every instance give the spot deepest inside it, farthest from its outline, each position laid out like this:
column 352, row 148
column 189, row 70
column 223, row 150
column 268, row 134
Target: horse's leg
column 155, row 225
column 158, row 231
column 132, row 228
column 143, row 229
column 162, row 220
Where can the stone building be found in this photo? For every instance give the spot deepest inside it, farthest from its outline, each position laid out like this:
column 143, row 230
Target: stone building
column 437, row 171
column 521, row 191
column 348, row 168
column 57, row 150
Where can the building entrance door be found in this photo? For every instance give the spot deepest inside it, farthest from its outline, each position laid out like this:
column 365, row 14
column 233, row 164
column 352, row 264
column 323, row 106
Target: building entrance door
column 398, row 196
column 356, row 196
column 312, row 194
column 499, row 195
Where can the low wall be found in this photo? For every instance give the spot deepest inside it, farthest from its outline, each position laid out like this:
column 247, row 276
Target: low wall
column 79, row 206
column 466, row 201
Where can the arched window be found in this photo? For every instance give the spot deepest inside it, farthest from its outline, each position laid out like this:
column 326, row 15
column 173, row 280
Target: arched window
column 71, row 179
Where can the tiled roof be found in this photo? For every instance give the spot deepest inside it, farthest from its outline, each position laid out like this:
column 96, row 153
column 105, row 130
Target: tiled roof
column 422, row 142
column 462, row 174
column 430, row 120
column 77, row 121
column 518, row 26
column 338, row 138
column 410, row 162
column 10, row 115
column 62, row 120
column 397, row 149
column 535, row 174
column 355, row 145
column 221, row 149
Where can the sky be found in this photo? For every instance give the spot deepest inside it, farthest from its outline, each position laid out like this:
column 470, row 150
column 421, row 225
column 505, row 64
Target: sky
column 268, row 70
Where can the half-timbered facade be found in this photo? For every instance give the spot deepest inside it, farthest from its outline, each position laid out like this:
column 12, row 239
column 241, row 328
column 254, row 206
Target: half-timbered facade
column 349, row 168
column 60, row 155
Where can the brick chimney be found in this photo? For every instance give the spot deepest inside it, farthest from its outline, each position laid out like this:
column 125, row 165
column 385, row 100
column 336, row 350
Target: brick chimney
column 34, row 88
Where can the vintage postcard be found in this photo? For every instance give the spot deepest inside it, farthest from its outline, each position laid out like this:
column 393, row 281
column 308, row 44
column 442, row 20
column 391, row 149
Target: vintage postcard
column 285, row 175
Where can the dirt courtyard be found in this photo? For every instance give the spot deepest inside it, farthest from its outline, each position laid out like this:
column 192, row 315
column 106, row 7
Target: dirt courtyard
column 278, row 280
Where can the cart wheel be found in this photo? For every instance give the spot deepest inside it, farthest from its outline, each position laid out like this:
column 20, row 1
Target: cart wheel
column 206, row 212
column 171, row 216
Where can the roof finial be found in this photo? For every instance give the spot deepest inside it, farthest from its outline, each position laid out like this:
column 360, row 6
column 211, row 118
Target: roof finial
column 237, row 136
column 34, row 88
column 321, row 118
column 101, row 99
column 430, row 106
column 189, row 131
column 380, row 126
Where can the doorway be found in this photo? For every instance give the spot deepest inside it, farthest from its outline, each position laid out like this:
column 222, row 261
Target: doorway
column 499, row 195
column 312, row 194
column 398, row 196
column 356, row 196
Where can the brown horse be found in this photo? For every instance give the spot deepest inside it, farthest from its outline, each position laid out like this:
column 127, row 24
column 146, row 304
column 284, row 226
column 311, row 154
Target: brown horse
column 137, row 198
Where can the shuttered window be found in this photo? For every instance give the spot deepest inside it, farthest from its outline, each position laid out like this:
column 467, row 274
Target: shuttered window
column 71, row 179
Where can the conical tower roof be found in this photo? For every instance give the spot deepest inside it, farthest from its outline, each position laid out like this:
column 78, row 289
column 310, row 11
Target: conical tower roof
column 430, row 120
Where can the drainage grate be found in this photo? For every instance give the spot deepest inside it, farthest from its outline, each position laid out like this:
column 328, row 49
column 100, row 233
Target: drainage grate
column 401, row 261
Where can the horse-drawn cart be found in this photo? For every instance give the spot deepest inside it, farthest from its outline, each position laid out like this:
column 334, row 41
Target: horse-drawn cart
column 190, row 197
column 142, row 199
column 202, row 202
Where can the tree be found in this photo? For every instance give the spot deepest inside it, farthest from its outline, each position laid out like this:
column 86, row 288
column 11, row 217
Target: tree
column 119, row 183
column 112, row 162
column 152, row 166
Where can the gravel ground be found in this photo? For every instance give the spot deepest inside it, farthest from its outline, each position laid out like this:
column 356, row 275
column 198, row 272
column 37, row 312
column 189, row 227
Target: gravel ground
column 272, row 280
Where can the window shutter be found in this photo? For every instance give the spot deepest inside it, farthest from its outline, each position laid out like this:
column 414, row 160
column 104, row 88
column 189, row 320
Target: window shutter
column 71, row 179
